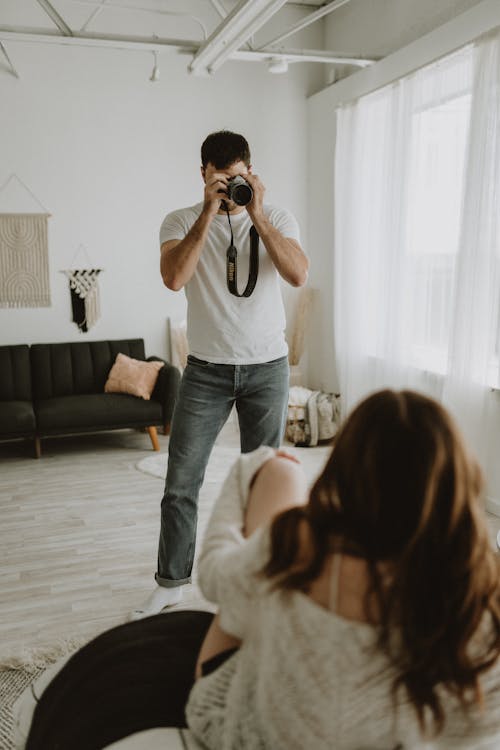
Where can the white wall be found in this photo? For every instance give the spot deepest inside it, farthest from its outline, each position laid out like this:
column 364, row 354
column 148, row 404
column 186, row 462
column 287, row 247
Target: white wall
column 109, row 154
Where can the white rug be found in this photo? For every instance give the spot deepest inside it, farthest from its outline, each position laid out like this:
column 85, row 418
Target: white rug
column 223, row 456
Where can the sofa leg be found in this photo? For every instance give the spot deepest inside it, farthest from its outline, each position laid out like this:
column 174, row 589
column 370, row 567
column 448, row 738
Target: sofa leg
column 154, row 438
column 38, row 447
column 166, row 428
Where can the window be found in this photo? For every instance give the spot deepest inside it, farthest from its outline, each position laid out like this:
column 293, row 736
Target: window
column 433, row 221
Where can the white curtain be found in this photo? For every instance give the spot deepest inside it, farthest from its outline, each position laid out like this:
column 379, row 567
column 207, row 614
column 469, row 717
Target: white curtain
column 417, row 240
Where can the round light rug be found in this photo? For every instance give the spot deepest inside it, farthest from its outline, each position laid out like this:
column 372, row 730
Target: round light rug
column 223, row 457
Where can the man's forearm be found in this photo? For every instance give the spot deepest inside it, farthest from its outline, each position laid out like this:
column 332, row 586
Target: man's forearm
column 287, row 255
column 178, row 263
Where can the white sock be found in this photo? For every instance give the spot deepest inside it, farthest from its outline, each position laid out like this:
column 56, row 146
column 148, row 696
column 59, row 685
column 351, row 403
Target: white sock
column 157, row 601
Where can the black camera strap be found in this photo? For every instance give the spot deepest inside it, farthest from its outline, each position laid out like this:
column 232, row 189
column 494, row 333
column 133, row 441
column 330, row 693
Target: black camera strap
column 232, row 267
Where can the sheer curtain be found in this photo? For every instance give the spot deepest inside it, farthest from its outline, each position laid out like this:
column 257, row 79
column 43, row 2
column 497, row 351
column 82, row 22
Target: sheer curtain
column 417, row 240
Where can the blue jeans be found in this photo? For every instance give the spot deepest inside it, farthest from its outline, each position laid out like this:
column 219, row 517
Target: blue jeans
column 206, row 396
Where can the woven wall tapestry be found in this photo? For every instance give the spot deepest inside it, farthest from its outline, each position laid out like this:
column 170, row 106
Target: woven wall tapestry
column 84, row 297
column 24, row 260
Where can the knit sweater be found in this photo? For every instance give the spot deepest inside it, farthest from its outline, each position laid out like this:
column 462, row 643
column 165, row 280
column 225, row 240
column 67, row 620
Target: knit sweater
column 304, row 678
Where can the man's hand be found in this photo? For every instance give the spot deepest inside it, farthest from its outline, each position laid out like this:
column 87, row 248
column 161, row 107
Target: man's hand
column 215, row 192
column 179, row 258
column 255, row 207
column 286, row 253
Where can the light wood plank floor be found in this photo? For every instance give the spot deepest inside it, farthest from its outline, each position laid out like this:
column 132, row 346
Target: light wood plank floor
column 78, row 535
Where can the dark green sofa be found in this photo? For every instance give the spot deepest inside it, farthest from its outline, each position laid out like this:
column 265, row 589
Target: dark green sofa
column 59, row 389
column 17, row 415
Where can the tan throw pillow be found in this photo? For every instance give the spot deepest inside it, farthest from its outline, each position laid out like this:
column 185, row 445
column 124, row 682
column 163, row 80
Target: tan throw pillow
column 132, row 376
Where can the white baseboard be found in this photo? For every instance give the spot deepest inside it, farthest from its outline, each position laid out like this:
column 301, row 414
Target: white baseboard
column 493, row 506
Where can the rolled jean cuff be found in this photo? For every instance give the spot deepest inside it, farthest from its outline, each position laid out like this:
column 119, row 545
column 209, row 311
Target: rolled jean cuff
column 167, row 583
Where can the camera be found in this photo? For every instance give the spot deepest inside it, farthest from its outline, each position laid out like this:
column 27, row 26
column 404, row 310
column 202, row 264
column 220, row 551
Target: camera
column 239, row 191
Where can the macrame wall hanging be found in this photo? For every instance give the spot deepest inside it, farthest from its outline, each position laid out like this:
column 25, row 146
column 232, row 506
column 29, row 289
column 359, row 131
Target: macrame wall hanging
column 24, row 255
column 84, row 292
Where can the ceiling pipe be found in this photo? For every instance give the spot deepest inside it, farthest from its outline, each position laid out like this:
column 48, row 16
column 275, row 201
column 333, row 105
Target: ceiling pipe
column 246, row 18
column 11, row 66
column 222, row 13
column 110, row 41
column 180, row 46
column 219, row 8
column 308, row 55
column 139, row 9
column 308, row 20
column 56, row 18
column 93, row 15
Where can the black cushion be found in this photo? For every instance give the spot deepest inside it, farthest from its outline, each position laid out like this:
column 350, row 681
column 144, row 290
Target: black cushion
column 71, row 369
column 16, row 418
column 15, row 375
column 134, row 677
column 99, row 411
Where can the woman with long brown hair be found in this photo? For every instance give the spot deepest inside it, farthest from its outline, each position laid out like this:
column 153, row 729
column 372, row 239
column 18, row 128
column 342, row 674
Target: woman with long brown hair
column 368, row 615
column 363, row 615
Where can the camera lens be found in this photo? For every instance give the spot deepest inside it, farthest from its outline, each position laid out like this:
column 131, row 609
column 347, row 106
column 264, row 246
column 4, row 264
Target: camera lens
column 242, row 194
column 240, row 191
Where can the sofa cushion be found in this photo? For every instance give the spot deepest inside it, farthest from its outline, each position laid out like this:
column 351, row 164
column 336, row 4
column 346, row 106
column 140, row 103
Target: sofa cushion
column 82, row 367
column 15, row 375
column 95, row 412
column 17, row 418
column 132, row 376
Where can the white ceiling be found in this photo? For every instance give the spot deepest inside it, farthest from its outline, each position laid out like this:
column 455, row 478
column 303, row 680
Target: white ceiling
column 208, row 31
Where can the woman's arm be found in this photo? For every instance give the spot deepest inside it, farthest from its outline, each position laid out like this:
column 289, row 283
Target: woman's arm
column 278, row 484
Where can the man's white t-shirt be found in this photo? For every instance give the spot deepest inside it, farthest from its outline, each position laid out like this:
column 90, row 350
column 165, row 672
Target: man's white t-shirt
column 221, row 327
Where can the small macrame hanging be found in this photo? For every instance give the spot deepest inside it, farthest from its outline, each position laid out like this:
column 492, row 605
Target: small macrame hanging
column 84, row 292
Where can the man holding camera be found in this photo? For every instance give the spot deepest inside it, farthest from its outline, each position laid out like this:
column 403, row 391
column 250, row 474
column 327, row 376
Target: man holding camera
column 238, row 352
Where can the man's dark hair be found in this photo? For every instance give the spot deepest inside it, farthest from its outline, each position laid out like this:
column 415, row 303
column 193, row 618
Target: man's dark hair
column 224, row 148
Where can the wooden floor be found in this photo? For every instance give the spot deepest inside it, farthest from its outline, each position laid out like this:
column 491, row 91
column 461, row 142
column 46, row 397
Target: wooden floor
column 78, row 535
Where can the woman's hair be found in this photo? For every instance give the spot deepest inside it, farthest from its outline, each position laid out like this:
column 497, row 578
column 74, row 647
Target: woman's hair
column 400, row 488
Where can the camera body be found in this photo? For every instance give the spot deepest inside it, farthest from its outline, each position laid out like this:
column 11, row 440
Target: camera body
column 239, row 191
